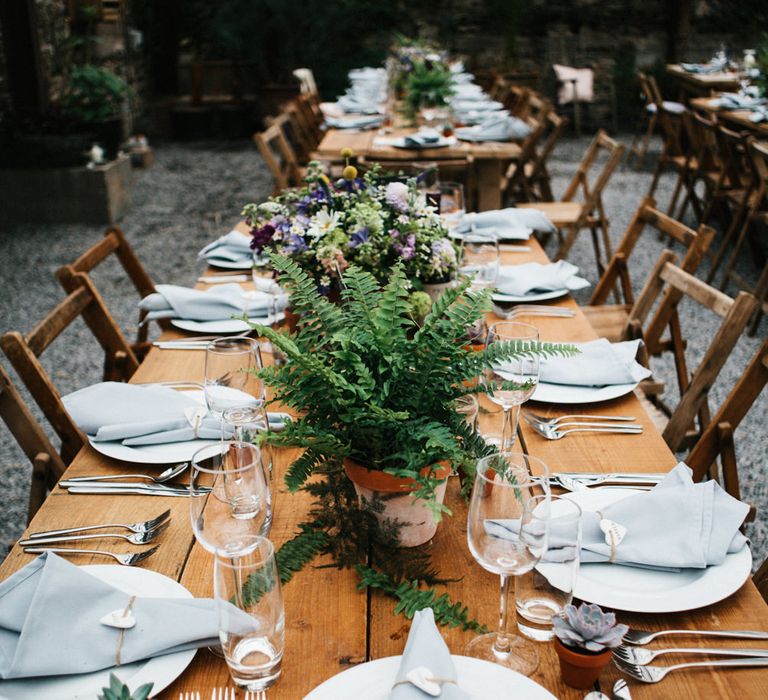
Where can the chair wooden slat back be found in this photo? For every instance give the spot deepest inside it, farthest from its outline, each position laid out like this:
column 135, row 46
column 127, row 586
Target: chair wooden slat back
column 23, row 352
column 539, row 175
column 717, row 440
column 294, row 128
column 278, row 157
column 516, row 182
column 517, row 100
column 115, row 242
column 735, row 314
column 310, row 114
column 580, row 183
column 617, row 271
column 47, row 464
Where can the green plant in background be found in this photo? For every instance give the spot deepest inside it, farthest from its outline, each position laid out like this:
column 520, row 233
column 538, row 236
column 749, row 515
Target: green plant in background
column 429, row 83
column 93, row 94
column 118, row 691
column 761, row 55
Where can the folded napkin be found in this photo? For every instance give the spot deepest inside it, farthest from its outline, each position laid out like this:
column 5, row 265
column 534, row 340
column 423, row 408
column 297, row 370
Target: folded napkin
column 141, row 414
column 423, row 138
column 233, row 247
column 704, row 68
column 481, row 104
column 362, row 122
column 214, row 304
column 498, row 127
column 360, row 105
column 505, row 219
column 468, row 91
column 732, row 100
column 49, row 622
column 529, row 278
column 600, row 363
column 759, row 114
column 426, row 649
column 677, row 525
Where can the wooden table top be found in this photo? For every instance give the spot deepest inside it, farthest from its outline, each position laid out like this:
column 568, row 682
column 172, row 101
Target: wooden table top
column 363, row 144
column 703, row 83
column 330, row 625
column 738, row 118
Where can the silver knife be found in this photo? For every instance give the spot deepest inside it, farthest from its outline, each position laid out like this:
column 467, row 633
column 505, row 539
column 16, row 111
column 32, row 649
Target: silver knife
column 615, row 476
column 137, row 491
column 110, row 485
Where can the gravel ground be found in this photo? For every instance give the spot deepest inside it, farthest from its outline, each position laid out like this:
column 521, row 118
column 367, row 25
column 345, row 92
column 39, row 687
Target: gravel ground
column 194, row 192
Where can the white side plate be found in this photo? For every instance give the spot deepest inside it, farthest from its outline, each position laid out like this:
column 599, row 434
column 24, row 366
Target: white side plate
column 565, row 393
column 223, row 326
column 162, row 670
column 481, row 680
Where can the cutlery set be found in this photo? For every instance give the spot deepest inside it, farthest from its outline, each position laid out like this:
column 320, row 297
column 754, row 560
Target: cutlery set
column 532, row 310
column 225, row 694
column 160, row 485
column 635, row 662
column 558, row 428
column 143, row 532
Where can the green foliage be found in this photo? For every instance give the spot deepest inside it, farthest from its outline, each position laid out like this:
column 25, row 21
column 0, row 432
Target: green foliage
column 427, row 84
column 369, row 385
column 93, row 94
column 411, row 598
column 118, row 691
column 761, row 56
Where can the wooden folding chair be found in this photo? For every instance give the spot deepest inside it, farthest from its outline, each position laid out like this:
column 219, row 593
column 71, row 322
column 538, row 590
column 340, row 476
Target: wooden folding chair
column 306, row 79
column 538, row 183
column 760, row 579
column 279, row 157
column 610, row 320
column 717, row 440
column 757, row 213
column 515, row 183
column 47, row 464
column 674, row 150
column 115, row 242
column 571, row 216
column 296, row 132
column 23, row 352
column 672, row 284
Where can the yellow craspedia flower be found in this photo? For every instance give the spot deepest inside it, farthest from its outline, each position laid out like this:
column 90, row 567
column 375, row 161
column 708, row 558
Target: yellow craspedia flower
column 324, row 178
column 347, row 152
column 349, row 173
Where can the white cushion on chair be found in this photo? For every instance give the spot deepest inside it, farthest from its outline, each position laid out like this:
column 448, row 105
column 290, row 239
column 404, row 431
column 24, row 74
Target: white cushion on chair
column 673, row 107
column 581, row 78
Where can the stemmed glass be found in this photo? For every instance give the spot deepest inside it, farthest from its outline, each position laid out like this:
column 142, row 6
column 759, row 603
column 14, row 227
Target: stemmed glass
column 507, row 532
column 523, row 370
column 230, row 384
column 480, row 259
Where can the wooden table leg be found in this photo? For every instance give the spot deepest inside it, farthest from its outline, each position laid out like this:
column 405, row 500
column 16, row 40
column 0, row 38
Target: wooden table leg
column 488, row 184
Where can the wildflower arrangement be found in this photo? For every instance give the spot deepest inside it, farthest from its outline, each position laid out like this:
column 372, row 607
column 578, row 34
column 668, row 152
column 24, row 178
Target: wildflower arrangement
column 364, row 221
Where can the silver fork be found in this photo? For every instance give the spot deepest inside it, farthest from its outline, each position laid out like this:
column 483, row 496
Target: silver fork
column 640, row 637
column 653, row 674
column 529, row 416
column 553, row 434
column 124, row 559
column 193, row 695
column 642, row 657
column 134, row 538
column 142, row 526
column 256, row 695
column 223, row 694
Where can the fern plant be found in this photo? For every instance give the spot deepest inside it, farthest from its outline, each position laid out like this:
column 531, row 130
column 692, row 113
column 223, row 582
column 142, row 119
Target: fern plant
column 371, row 385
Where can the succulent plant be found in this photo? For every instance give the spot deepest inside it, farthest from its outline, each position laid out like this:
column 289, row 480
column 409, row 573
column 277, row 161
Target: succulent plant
column 588, row 627
column 119, row 691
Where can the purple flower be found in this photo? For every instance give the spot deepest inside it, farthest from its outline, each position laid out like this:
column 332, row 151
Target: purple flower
column 359, row 237
column 407, row 251
column 260, row 237
column 296, row 244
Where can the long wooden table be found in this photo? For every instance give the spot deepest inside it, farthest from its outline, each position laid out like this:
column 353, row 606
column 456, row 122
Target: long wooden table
column 330, row 625
column 735, row 118
column 490, row 158
column 703, row 83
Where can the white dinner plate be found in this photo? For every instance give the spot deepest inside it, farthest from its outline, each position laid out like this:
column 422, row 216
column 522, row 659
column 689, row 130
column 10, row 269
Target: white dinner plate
column 161, row 670
column 223, row 326
column 567, row 393
column 634, row 589
column 442, row 142
column 481, row 680
column 528, row 298
column 166, row 453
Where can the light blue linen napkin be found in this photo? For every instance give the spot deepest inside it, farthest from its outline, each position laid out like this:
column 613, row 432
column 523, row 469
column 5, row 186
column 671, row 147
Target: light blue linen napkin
column 426, row 647
column 214, row 304
column 498, row 127
column 677, row 525
column 234, row 247
column 507, row 219
column 529, row 278
column 49, row 622
column 137, row 414
column 601, row 363
column 362, row 122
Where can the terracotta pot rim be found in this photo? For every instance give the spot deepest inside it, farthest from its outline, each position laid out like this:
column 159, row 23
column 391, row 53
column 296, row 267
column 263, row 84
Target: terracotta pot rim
column 588, row 659
column 377, row 480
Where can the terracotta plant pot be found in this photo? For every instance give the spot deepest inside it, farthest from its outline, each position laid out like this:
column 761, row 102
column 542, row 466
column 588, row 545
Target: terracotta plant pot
column 580, row 669
column 436, row 289
column 394, row 494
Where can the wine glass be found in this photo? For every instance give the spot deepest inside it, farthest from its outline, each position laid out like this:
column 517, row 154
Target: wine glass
column 230, row 381
column 451, row 203
column 507, row 533
column 522, row 369
column 480, row 259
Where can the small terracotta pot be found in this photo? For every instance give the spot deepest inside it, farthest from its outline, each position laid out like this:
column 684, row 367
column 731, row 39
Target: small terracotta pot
column 435, row 289
column 394, row 494
column 580, row 669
